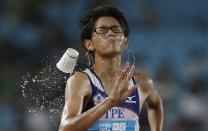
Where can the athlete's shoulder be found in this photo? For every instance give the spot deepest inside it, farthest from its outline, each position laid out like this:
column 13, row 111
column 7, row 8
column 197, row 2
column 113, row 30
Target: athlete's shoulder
column 78, row 83
column 78, row 80
column 145, row 81
column 143, row 78
column 78, row 77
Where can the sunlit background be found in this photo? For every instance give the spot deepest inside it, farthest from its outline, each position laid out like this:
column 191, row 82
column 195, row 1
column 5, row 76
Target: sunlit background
column 169, row 39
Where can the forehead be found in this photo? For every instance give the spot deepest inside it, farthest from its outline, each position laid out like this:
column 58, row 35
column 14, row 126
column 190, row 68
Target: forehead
column 103, row 21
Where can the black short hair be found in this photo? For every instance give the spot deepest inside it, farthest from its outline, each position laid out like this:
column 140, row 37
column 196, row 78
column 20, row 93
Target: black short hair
column 88, row 21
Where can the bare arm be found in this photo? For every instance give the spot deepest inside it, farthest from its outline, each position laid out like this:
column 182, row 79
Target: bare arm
column 153, row 102
column 76, row 93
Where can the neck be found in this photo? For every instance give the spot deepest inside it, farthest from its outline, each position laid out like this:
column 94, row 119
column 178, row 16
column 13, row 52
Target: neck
column 107, row 67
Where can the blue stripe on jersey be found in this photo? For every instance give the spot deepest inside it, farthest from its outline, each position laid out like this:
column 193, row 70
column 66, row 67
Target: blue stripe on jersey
column 97, row 78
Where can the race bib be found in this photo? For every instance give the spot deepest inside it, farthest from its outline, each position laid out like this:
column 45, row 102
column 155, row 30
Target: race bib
column 114, row 125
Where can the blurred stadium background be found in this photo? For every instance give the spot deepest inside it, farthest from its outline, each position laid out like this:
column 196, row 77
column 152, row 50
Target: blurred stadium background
column 169, row 40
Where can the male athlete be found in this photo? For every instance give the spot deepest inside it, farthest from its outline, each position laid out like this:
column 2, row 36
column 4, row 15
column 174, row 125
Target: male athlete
column 104, row 97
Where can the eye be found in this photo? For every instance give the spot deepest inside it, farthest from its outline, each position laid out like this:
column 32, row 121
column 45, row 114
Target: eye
column 102, row 29
column 117, row 29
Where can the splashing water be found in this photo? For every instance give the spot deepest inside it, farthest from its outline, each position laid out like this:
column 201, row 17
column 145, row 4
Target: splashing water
column 118, row 40
column 127, row 56
column 42, row 89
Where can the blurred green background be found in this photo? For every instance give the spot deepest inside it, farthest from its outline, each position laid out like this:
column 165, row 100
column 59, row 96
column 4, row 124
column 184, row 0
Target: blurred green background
column 169, row 40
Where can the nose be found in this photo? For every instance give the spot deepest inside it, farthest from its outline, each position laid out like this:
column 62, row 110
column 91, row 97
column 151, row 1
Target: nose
column 110, row 33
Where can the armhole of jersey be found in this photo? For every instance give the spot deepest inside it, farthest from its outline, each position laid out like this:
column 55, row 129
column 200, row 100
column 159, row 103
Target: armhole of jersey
column 91, row 83
column 134, row 81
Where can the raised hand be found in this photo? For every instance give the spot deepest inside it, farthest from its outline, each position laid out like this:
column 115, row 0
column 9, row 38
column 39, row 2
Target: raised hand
column 121, row 88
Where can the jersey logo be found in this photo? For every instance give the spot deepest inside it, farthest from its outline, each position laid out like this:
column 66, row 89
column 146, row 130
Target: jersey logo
column 130, row 99
column 98, row 98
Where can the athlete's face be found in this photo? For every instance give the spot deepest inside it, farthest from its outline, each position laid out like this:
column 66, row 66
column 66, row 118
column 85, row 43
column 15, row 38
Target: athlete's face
column 108, row 39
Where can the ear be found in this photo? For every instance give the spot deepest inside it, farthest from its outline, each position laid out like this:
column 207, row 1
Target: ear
column 89, row 45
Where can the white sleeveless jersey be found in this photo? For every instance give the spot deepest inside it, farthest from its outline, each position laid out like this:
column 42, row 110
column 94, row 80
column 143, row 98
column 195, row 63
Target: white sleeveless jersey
column 124, row 117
